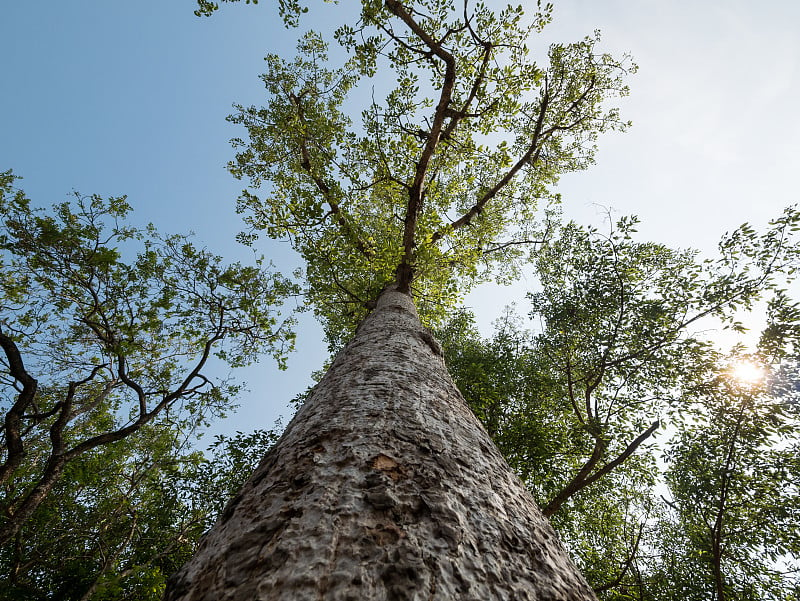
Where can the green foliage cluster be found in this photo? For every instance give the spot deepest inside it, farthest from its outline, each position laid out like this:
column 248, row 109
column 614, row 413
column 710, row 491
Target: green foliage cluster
column 124, row 517
column 735, row 500
column 663, row 473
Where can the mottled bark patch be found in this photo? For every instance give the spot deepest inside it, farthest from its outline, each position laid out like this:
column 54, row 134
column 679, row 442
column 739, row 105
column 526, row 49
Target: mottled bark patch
column 388, row 466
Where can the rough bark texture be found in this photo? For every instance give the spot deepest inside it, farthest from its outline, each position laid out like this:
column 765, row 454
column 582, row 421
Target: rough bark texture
column 384, row 487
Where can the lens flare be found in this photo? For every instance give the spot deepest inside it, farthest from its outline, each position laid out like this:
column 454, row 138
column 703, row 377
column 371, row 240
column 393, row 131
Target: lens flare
column 747, row 372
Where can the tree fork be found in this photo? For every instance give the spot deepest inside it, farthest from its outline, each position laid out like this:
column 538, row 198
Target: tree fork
column 384, row 487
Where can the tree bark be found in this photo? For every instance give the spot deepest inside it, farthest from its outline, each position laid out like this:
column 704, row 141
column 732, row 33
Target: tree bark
column 384, row 487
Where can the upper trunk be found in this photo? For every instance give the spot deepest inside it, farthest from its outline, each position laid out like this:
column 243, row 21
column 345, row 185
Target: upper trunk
column 384, row 487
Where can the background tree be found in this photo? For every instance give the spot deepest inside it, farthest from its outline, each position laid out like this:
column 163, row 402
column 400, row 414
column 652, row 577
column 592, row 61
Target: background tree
column 96, row 348
column 616, row 320
column 732, row 478
column 615, row 345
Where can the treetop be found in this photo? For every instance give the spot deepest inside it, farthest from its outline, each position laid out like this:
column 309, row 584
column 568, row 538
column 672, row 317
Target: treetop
column 463, row 133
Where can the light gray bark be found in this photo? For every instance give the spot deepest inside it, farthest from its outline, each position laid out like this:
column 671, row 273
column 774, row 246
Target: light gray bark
column 384, row 487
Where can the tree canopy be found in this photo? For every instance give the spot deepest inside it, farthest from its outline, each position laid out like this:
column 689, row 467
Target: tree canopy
column 441, row 180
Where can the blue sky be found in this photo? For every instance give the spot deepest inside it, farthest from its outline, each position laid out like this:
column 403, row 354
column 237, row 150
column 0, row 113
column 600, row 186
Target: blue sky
column 130, row 98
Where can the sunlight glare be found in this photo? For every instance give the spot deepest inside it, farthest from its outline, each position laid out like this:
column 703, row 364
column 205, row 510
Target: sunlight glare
column 747, row 372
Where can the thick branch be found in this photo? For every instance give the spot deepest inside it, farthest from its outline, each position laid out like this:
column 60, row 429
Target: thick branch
column 457, row 116
column 531, row 155
column 59, row 457
column 417, row 189
column 582, row 479
column 19, row 512
column 13, row 420
column 17, row 516
column 716, row 531
column 578, row 480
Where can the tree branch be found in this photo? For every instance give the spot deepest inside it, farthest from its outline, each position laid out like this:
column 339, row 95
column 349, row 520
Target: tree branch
column 626, row 566
column 582, row 479
column 457, row 116
column 504, row 245
column 417, row 189
column 322, row 186
column 13, row 419
column 531, row 156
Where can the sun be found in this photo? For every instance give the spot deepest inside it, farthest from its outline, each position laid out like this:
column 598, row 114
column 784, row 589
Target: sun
column 747, row 372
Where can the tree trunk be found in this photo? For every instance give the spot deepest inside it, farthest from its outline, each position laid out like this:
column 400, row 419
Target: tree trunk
column 384, row 487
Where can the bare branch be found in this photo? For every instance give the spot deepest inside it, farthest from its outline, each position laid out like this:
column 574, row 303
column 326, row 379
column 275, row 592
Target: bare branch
column 503, row 245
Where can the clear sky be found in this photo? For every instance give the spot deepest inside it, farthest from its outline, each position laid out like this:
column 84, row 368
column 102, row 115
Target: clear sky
column 114, row 97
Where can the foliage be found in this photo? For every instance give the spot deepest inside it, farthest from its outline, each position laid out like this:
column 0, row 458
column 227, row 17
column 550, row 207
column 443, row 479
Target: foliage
column 290, row 10
column 112, row 527
column 736, row 504
column 616, row 318
column 439, row 187
column 233, row 459
column 614, row 353
column 616, row 347
column 440, row 182
column 95, row 348
column 126, row 516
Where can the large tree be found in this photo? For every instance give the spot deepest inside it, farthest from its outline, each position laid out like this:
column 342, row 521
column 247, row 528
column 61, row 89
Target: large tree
column 384, row 485
column 441, row 180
